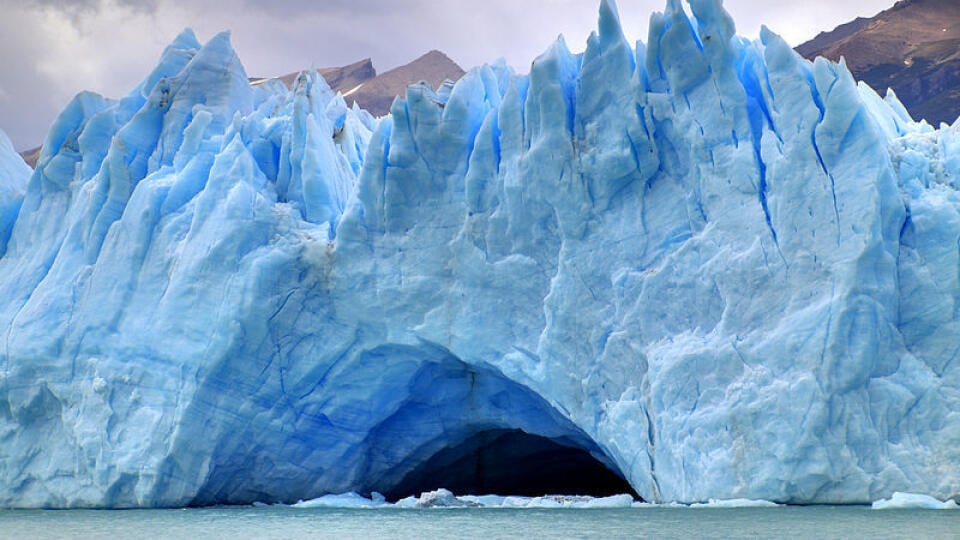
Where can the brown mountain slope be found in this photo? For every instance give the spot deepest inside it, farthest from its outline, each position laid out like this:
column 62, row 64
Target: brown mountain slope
column 360, row 83
column 341, row 79
column 377, row 95
column 31, row 156
column 913, row 47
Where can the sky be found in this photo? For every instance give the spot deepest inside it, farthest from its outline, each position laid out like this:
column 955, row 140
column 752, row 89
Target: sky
column 53, row 49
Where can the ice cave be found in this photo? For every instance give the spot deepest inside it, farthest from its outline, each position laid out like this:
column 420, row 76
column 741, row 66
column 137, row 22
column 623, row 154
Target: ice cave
column 440, row 423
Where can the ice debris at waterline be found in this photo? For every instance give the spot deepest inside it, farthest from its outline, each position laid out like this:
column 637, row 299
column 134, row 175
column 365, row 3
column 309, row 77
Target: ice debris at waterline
column 343, row 500
column 703, row 264
column 736, row 503
column 914, row 500
column 444, row 498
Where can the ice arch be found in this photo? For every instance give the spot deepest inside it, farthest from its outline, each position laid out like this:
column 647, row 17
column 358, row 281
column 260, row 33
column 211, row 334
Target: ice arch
column 404, row 418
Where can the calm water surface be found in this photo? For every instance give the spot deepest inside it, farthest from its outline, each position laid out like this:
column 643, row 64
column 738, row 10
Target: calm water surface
column 236, row 523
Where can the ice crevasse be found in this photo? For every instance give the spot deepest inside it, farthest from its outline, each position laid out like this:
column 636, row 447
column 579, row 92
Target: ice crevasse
column 717, row 268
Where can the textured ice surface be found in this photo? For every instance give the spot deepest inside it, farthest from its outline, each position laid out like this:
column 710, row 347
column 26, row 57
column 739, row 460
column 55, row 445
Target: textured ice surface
column 914, row 500
column 722, row 270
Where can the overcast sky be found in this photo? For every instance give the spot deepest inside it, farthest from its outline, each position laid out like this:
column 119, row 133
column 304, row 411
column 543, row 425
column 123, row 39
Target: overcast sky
column 52, row 49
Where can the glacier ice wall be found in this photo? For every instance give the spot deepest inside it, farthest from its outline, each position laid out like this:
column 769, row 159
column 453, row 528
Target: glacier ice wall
column 723, row 270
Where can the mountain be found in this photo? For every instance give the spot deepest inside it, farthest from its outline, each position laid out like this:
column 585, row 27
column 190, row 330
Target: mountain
column 31, row 156
column 703, row 266
column 340, row 79
column 360, row 84
column 377, row 94
column 913, row 47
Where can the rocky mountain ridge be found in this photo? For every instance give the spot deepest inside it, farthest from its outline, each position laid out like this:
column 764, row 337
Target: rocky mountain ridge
column 359, row 82
column 913, row 48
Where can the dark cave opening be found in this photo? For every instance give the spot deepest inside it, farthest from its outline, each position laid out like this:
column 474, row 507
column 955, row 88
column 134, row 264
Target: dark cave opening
column 512, row 462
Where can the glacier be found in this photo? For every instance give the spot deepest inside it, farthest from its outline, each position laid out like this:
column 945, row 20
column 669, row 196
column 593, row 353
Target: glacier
column 715, row 268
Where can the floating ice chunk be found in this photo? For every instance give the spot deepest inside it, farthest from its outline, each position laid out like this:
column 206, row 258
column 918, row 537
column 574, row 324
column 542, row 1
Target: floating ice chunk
column 488, row 501
column 551, row 501
column 443, row 498
column 913, row 500
column 623, row 500
column 532, row 502
column 344, row 500
column 407, row 502
column 735, row 503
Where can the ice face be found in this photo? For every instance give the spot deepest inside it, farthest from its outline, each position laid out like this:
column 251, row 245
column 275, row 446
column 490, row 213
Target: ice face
column 14, row 174
column 722, row 271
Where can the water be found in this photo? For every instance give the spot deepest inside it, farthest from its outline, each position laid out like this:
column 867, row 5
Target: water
column 237, row 523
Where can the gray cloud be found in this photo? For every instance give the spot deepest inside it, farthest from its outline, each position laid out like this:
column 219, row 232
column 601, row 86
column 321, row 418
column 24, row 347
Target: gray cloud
column 27, row 103
column 55, row 48
column 77, row 11
column 77, row 6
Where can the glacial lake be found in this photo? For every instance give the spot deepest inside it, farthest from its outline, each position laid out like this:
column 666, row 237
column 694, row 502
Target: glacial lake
column 236, row 523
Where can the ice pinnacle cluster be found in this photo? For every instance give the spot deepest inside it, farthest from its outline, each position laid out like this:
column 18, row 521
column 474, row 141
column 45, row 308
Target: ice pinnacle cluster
column 722, row 270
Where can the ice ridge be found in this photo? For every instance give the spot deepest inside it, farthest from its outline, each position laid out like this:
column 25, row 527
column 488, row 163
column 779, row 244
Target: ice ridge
column 723, row 271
